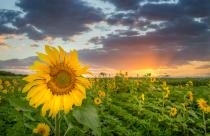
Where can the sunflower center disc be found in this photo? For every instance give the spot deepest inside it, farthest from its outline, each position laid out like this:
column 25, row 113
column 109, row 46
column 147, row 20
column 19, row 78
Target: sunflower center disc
column 63, row 79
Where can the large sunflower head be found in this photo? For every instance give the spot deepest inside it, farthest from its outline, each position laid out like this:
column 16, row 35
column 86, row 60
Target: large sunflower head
column 57, row 83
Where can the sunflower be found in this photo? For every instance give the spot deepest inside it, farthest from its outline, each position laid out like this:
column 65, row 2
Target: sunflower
column 190, row 83
column 101, row 93
column 5, row 91
column 57, row 83
column 1, row 87
column 152, row 79
column 190, row 96
column 0, row 81
column 97, row 101
column 167, row 93
column 14, row 81
column 141, row 97
column 42, row 129
column 202, row 104
column 173, row 112
column 164, row 83
column 7, row 83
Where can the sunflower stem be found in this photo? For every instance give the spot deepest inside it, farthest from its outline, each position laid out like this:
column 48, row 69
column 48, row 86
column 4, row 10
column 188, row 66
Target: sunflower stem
column 204, row 124
column 57, row 125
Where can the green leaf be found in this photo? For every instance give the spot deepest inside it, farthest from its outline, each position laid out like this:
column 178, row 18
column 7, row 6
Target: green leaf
column 19, row 103
column 88, row 117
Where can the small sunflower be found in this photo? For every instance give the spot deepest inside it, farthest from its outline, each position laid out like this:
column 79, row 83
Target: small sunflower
column 5, row 91
column 42, row 129
column 141, row 97
column 152, row 79
column 202, row 104
column 58, row 83
column 1, row 87
column 97, row 101
column 0, row 81
column 173, row 112
column 190, row 83
column 190, row 96
column 101, row 93
column 7, row 83
column 14, row 81
column 167, row 93
column 164, row 83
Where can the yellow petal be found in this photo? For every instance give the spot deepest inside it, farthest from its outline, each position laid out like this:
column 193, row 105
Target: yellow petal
column 35, row 90
column 80, row 88
column 44, row 58
column 53, row 54
column 31, row 84
column 43, row 97
column 45, row 107
column 55, row 107
column 37, row 76
column 67, row 103
column 40, row 67
column 62, row 54
column 85, row 82
column 83, row 70
column 35, row 101
column 74, row 62
column 77, row 97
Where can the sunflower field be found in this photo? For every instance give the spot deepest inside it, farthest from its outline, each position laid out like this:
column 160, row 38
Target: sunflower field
column 115, row 106
column 58, row 100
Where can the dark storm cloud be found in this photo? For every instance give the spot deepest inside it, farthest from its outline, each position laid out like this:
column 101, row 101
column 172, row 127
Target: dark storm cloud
column 125, row 4
column 180, row 41
column 179, row 38
column 55, row 18
column 49, row 18
column 6, row 17
column 191, row 8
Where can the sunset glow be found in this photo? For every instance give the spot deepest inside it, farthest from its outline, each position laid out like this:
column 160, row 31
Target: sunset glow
column 136, row 36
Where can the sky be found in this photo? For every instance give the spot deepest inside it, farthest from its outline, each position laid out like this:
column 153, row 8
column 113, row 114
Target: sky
column 162, row 37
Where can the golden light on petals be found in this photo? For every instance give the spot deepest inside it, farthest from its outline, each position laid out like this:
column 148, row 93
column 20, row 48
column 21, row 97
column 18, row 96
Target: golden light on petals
column 57, row 83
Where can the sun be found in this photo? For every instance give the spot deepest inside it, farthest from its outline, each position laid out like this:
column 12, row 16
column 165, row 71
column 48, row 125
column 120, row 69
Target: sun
column 57, row 83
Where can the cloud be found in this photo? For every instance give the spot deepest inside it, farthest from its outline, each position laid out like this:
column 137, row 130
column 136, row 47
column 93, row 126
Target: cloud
column 2, row 42
column 155, row 34
column 176, row 43
column 7, row 17
column 34, row 45
column 57, row 18
column 41, row 19
column 17, row 63
column 125, row 4
column 207, row 66
column 191, row 8
column 178, row 39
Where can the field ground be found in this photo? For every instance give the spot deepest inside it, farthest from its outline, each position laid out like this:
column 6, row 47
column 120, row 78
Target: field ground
column 125, row 107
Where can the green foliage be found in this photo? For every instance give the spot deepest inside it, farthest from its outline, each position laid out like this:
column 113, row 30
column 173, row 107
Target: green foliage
column 88, row 117
column 121, row 112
